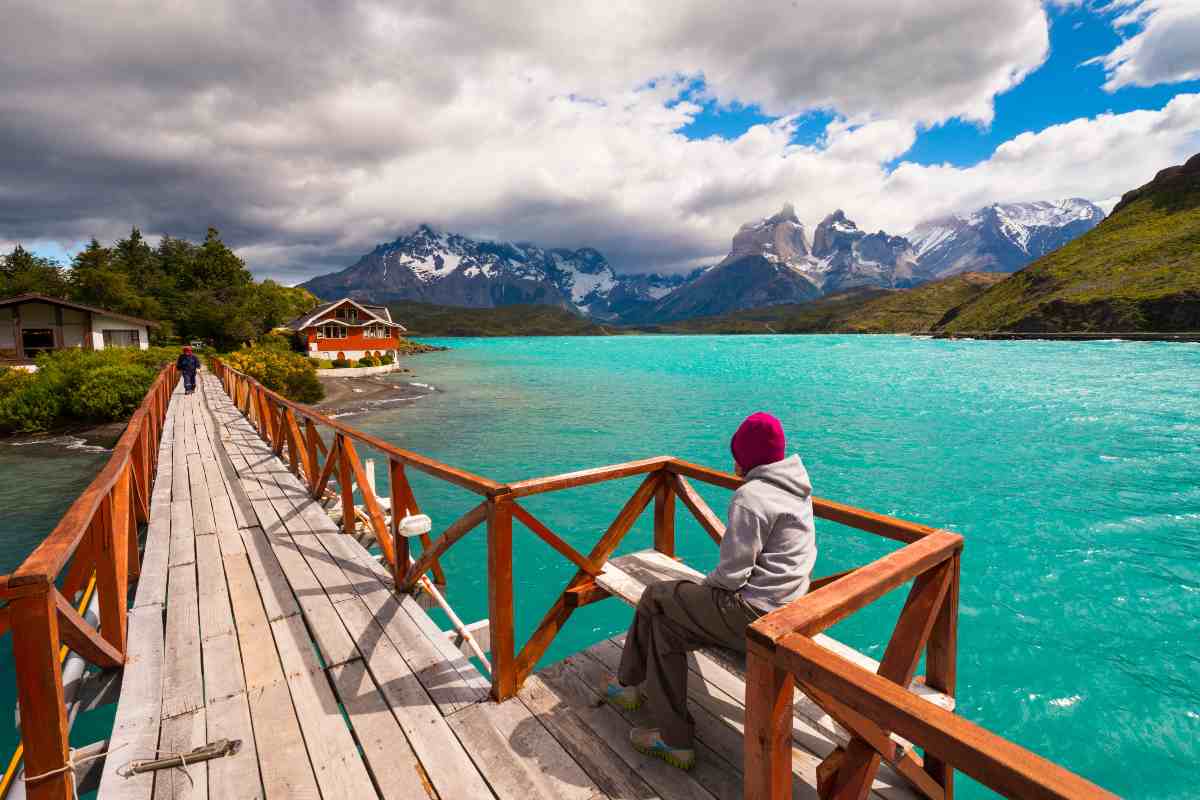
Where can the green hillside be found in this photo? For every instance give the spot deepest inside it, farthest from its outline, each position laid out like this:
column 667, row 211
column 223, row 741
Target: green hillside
column 1139, row 270
column 424, row 319
column 862, row 311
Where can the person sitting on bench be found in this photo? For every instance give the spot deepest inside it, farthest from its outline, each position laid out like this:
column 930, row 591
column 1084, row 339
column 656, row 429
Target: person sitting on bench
column 767, row 557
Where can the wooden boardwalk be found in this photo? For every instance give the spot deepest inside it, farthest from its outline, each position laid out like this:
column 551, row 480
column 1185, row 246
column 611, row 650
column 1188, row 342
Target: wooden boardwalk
column 256, row 619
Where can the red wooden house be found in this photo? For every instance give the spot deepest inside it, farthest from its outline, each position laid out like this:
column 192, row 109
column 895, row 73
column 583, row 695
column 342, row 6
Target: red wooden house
column 349, row 330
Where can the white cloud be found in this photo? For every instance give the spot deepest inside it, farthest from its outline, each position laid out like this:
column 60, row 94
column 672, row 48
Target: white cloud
column 1164, row 49
column 309, row 133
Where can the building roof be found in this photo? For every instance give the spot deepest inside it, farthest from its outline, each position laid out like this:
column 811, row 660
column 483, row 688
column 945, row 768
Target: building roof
column 35, row 297
column 375, row 314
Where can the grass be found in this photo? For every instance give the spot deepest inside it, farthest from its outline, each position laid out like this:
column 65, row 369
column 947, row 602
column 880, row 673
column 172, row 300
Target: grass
column 1139, row 270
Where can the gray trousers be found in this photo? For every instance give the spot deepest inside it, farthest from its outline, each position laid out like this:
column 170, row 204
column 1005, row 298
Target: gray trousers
column 673, row 618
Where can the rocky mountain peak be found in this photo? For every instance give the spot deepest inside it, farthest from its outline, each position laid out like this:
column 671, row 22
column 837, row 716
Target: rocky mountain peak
column 835, row 232
column 778, row 238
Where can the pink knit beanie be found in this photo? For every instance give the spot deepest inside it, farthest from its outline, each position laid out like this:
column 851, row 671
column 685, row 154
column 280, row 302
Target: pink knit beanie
column 758, row 440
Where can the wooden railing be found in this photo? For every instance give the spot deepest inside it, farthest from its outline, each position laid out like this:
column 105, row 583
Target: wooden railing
column 781, row 652
column 96, row 539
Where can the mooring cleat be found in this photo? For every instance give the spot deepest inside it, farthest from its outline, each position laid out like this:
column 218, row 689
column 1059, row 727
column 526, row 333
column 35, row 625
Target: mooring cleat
column 649, row 742
column 626, row 697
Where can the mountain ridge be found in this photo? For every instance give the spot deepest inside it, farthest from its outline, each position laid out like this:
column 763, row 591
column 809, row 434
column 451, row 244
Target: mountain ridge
column 770, row 261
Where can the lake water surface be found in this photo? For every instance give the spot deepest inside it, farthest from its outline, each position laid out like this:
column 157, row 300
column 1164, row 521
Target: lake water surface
column 1071, row 468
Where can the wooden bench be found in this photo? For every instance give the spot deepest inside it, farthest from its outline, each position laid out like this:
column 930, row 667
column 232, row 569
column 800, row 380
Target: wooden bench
column 628, row 576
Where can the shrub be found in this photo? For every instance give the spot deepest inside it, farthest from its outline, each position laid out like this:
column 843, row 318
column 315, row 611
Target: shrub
column 77, row 385
column 288, row 373
column 340, row 363
column 284, row 342
column 387, row 358
column 34, row 407
column 368, row 361
column 110, row 392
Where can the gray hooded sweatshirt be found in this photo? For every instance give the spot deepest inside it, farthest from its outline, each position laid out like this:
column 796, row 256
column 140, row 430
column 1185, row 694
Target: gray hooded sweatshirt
column 770, row 545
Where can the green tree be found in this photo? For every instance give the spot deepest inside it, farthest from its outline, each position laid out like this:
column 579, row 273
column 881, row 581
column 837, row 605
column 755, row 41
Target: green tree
column 21, row 271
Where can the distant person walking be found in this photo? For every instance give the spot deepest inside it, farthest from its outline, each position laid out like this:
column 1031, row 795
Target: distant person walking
column 767, row 557
column 188, row 364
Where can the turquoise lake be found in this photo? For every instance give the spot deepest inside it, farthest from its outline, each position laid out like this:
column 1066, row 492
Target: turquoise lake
column 1072, row 469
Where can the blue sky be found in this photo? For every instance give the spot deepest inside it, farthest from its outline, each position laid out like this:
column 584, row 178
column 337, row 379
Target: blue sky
column 1062, row 89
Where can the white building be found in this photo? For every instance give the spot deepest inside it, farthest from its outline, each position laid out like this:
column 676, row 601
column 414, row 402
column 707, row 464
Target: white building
column 35, row 323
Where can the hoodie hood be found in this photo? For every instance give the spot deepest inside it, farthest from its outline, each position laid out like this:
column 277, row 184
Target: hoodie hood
column 788, row 475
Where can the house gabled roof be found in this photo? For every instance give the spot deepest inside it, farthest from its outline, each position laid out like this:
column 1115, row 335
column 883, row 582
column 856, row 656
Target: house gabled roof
column 375, row 314
column 35, row 297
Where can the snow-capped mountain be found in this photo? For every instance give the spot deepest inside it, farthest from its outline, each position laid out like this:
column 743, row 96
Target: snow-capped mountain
column 432, row 266
column 1003, row 237
column 768, row 263
column 771, row 262
column 849, row 258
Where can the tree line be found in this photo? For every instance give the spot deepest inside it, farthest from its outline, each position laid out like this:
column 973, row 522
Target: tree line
column 195, row 291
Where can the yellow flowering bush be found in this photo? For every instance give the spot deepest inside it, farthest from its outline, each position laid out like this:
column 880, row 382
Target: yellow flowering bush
column 288, row 373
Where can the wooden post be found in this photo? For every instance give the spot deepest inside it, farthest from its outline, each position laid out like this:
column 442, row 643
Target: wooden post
column 941, row 667
column 112, row 562
column 768, row 736
column 500, row 597
column 40, row 692
column 346, row 487
column 310, row 444
column 664, row 516
column 396, row 483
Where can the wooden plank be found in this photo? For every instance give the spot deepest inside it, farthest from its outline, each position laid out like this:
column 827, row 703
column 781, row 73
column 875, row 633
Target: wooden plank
column 273, row 588
column 183, row 544
column 432, row 669
column 335, row 760
column 397, row 772
column 668, row 782
column 181, row 734
column 449, row 768
column 202, row 513
column 216, row 617
column 282, row 758
column 615, row 778
column 136, row 725
column 720, row 773
column 222, row 667
column 518, row 757
column 182, row 681
column 235, row 775
column 152, row 584
column 259, row 660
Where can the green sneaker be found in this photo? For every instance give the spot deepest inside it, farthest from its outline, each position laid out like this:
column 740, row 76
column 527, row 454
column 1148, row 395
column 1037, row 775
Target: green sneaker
column 648, row 741
column 626, row 697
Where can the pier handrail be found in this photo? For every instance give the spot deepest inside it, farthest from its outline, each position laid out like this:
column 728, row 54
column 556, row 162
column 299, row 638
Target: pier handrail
column 97, row 538
column 781, row 652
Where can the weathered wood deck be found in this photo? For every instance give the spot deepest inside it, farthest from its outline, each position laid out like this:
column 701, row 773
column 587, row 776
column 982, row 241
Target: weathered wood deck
column 256, row 619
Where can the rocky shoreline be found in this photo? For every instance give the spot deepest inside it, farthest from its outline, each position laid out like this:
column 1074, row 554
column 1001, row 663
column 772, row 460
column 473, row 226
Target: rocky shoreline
column 360, row 394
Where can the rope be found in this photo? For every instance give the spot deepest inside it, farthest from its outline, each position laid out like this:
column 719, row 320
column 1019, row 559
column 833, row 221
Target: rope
column 71, row 765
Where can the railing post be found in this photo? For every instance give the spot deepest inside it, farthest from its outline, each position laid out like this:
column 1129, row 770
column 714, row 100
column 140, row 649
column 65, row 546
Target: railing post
column 40, row 693
column 346, row 487
column 112, row 562
column 396, row 482
column 500, row 597
column 664, row 516
column 310, row 444
column 941, row 666
column 768, row 735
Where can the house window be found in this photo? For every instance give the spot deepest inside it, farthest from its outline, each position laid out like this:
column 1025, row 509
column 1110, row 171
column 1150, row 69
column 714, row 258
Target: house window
column 347, row 312
column 37, row 340
column 376, row 332
column 122, row 339
column 331, row 332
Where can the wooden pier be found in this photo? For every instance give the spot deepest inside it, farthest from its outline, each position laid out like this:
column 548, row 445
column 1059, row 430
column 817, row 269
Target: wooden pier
column 254, row 617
